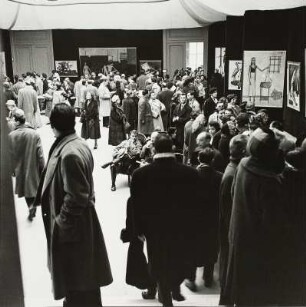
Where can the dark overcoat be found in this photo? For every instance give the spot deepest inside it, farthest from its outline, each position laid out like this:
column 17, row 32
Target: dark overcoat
column 116, row 133
column 210, row 180
column 256, row 234
column 184, row 115
column 91, row 122
column 294, row 268
column 27, row 159
column 165, row 197
column 130, row 109
column 226, row 203
column 77, row 256
column 145, row 117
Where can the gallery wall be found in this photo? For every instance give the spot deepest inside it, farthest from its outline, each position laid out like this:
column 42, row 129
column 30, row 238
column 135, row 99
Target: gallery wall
column 66, row 43
column 266, row 30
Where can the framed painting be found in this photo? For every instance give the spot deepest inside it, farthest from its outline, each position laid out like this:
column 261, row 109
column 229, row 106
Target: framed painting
column 220, row 60
column 293, row 85
column 235, row 75
column 151, row 65
column 263, row 78
column 67, row 68
column 108, row 60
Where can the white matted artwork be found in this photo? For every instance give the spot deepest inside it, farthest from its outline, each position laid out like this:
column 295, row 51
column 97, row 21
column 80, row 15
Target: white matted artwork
column 293, row 85
column 235, row 75
column 263, row 78
column 67, row 68
column 220, row 60
column 2, row 64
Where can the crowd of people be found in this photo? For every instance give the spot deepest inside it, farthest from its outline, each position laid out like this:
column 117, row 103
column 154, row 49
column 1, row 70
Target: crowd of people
column 211, row 178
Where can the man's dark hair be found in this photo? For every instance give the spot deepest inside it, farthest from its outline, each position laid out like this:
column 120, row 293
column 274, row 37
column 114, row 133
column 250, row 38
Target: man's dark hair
column 206, row 155
column 212, row 90
column 44, row 75
column 278, row 125
column 163, row 143
column 62, row 117
column 214, row 124
column 169, row 85
column 242, row 119
column 19, row 117
column 145, row 92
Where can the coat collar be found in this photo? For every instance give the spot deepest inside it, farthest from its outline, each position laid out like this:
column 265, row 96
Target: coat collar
column 53, row 161
column 165, row 155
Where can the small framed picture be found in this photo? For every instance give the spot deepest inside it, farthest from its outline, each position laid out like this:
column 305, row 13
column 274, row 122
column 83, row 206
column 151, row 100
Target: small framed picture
column 67, row 68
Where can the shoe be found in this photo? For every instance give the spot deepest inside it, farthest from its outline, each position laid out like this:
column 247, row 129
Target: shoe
column 148, row 294
column 191, row 285
column 177, row 296
column 96, row 147
column 113, row 188
column 32, row 214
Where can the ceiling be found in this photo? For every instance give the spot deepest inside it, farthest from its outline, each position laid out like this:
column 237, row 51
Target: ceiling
column 126, row 14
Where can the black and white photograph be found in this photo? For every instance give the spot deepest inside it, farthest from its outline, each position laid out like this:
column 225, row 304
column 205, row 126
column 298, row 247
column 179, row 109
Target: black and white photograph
column 152, row 153
column 293, row 85
column 67, row 68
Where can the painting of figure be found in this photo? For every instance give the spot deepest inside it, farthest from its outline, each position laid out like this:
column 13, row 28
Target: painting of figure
column 293, row 85
column 220, row 60
column 235, row 75
column 263, row 78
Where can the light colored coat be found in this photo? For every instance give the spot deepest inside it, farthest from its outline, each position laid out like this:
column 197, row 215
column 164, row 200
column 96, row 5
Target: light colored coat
column 27, row 159
column 28, row 102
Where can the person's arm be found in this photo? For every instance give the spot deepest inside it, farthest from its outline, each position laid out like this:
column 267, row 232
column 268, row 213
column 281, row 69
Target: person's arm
column 77, row 190
column 40, row 155
column 35, row 102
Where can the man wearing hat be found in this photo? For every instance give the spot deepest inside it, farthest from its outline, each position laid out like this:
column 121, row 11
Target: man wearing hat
column 28, row 102
column 130, row 109
column 27, row 159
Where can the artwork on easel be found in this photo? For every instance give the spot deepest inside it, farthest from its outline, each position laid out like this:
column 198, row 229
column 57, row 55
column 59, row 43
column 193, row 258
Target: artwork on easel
column 293, row 85
column 220, row 60
column 235, row 75
column 263, row 78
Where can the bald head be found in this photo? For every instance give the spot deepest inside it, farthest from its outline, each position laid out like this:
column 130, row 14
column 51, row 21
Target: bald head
column 237, row 147
column 203, row 139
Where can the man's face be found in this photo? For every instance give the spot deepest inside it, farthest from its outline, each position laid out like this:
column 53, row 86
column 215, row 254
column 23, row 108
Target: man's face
column 190, row 96
column 212, row 130
column 227, row 113
column 202, row 142
column 219, row 107
column 183, row 99
column 214, row 94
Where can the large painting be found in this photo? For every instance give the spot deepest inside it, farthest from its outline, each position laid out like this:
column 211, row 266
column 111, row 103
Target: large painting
column 106, row 60
column 235, row 75
column 151, row 65
column 67, row 68
column 220, row 60
column 293, row 85
column 264, row 77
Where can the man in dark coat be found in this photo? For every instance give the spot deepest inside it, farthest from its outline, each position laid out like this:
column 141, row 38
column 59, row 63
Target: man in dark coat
column 207, row 253
column 145, row 117
column 165, row 96
column 165, row 199
column 256, row 231
column 130, row 110
column 237, row 152
column 27, row 159
column 210, row 103
column 77, row 256
column 203, row 140
column 181, row 116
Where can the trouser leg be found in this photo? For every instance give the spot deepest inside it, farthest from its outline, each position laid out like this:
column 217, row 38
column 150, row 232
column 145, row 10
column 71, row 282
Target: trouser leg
column 208, row 273
column 29, row 201
column 113, row 174
column 164, row 293
column 192, row 275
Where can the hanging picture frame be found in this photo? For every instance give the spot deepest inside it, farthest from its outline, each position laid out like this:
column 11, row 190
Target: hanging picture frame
column 293, row 85
column 235, row 75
